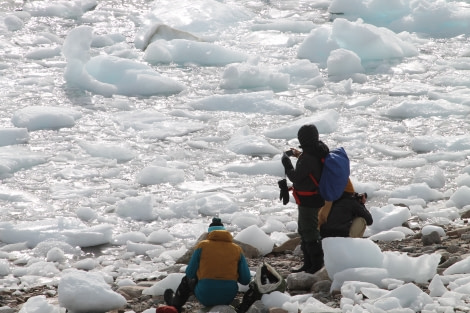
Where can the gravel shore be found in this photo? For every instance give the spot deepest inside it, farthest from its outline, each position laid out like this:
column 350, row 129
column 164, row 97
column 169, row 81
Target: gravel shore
column 452, row 248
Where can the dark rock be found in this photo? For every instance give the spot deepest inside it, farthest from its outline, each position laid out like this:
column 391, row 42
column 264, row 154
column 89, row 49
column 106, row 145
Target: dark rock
column 428, row 249
column 408, row 249
column 130, row 292
column 450, row 261
column 458, row 232
column 258, row 307
column 322, row 286
column 289, row 245
column 301, row 281
column 432, row 238
column 248, row 250
column 453, row 249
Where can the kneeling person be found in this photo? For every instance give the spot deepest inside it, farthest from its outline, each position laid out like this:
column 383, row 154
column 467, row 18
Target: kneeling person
column 214, row 269
column 348, row 217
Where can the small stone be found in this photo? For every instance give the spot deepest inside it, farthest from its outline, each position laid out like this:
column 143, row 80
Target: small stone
column 465, row 214
column 450, row 261
column 131, row 292
column 289, row 245
column 300, row 281
column 458, row 232
column 218, row 309
column 323, row 286
column 428, row 249
column 408, row 249
column 258, row 307
column 432, row 238
column 453, row 249
column 322, row 274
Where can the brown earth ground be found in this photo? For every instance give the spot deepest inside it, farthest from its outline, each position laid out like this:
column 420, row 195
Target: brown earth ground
column 452, row 248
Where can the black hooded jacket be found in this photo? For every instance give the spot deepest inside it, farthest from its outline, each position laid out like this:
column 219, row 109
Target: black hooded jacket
column 301, row 181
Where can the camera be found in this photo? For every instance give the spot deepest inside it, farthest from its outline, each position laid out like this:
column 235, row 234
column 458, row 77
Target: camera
column 361, row 197
column 289, row 153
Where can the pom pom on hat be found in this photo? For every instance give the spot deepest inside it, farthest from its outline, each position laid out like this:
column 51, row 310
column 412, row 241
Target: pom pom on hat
column 216, row 224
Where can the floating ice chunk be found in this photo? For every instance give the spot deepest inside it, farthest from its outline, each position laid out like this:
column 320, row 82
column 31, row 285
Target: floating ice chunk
column 326, row 122
column 160, row 236
column 139, row 208
column 460, row 198
column 107, row 74
column 417, row 190
column 248, row 76
column 255, row 102
column 343, row 64
column 245, row 142
column 152, row 175
column 13, row 136
column 183, row 51
column 45, row 117
column 121, row 153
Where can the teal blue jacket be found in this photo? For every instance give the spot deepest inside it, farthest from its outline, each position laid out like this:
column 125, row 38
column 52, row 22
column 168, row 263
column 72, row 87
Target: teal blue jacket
column 218, row 264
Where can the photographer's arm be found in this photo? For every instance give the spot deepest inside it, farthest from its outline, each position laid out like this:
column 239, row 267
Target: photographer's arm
column 324, row 212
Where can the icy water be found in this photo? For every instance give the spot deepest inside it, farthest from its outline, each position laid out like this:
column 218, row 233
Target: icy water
column 72, row 179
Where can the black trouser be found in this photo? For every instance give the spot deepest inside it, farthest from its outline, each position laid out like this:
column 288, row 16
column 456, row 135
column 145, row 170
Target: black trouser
column 315, row 254
column 313, row 257
column 310, row 239
column 308, row 224
column 183, row 292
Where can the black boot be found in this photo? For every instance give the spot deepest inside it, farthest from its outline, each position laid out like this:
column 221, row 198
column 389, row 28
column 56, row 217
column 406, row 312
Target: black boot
column 307, row 259
column 181, row 295
column 315, row 251
column 168, row 296
column 250, row 297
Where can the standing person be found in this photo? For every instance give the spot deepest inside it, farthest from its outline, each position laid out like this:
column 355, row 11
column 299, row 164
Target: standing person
column 308, row 168
column 214, row 269
column 347, row 217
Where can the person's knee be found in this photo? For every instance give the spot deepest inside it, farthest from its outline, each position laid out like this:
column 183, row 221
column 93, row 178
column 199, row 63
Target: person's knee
column 358, row 227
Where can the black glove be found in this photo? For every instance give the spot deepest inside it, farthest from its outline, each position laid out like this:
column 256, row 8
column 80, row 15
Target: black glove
column 286, row 162
column 284, row 195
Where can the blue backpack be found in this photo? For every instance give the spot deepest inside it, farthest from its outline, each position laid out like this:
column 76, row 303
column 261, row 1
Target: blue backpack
column 335, row 175
column 333, row 180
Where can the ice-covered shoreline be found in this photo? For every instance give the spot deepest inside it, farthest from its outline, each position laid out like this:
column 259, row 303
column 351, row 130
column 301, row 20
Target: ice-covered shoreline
column 117, row 129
